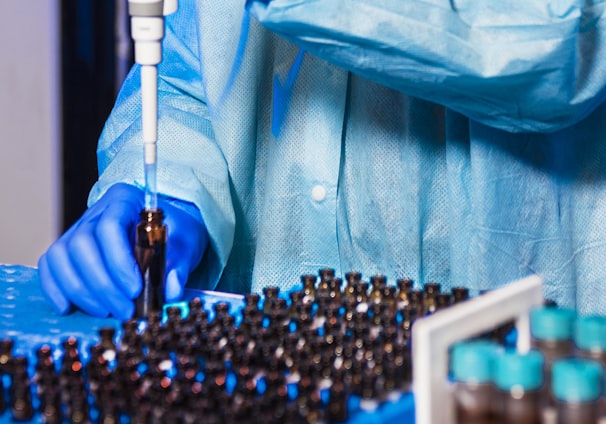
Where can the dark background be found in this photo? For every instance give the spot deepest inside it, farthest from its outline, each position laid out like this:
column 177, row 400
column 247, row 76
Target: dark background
column 91, row 72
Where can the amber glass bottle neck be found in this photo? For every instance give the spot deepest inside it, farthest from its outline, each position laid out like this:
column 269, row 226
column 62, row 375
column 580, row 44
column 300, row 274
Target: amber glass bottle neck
column 152, row 216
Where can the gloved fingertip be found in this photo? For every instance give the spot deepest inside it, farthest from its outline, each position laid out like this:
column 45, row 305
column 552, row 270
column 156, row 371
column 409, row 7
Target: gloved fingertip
column 60, row 304
column 53, row 294
column 98, row 314
column 174, row 289
column 126, row 312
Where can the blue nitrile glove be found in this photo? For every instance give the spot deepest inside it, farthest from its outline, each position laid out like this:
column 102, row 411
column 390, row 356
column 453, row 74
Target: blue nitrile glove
column 93, row 265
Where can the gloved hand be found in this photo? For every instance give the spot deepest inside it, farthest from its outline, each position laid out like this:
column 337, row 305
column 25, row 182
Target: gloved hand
column 92, row 265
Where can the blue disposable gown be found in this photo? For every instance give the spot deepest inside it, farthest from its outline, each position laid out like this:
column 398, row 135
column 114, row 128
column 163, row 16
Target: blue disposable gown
column 299, row 161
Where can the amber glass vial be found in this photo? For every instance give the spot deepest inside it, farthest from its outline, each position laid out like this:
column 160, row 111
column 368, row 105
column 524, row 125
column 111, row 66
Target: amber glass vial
column 150, row 252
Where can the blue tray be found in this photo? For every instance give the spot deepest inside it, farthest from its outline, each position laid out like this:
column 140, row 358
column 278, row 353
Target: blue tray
column 27, row 317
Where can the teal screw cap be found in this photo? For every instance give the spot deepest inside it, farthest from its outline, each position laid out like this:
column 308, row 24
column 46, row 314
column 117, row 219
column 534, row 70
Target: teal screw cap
column 473, row 361
column 549, row 323
column 576, row 379
column 517, row 370
column 590, row 333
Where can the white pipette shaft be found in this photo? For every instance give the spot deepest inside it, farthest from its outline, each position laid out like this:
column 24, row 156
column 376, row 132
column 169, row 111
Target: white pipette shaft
column 149, row 117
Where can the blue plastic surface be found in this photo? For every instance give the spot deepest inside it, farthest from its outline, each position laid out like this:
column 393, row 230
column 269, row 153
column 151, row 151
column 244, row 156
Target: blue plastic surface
column 29, row 319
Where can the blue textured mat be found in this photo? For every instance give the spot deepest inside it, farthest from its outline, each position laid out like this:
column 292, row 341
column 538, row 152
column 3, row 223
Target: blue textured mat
column 27, row 317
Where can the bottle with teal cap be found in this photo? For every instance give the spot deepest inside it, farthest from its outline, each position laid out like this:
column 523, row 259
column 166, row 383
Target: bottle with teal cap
column 551, row 331
column 472, row 367
column 590, row 343
column 518, row 378
column 590, row 337
column 576, row 387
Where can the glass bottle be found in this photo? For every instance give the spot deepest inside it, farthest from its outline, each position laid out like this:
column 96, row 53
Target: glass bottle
column 551, row 331
column 388, row 297
column 459, row 294
column 6, row 366
column 251, row 301
column 130, row 338
column 377, row 283
column 309, row 287
column 352, row 278
column 2, row 401
column 369, row 385
column 408, row 317
column 590, row 338
column 576, row 386
column 6, row 355
column 296, row 298
column 430, row 291
column 45, row 373
column 416, row 299
column 402, row 361
column 107, row 335
column 336, row 409
column 270, row 293
column 404, row 287
column 20, row 391
column 519, row 378
column 335, row 290
column 326, row 274
column 590, row 342
column 443, row 300
column 362, row 295
column 150, row 252
column 472, row 364
column 195, row 305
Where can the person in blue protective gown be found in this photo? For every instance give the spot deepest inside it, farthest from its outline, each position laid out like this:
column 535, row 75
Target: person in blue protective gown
column 278, row 156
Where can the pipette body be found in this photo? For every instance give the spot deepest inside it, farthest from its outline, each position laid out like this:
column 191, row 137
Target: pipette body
column 147, row 31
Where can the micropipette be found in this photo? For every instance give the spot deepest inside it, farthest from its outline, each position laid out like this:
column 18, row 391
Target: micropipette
column 147, row 31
